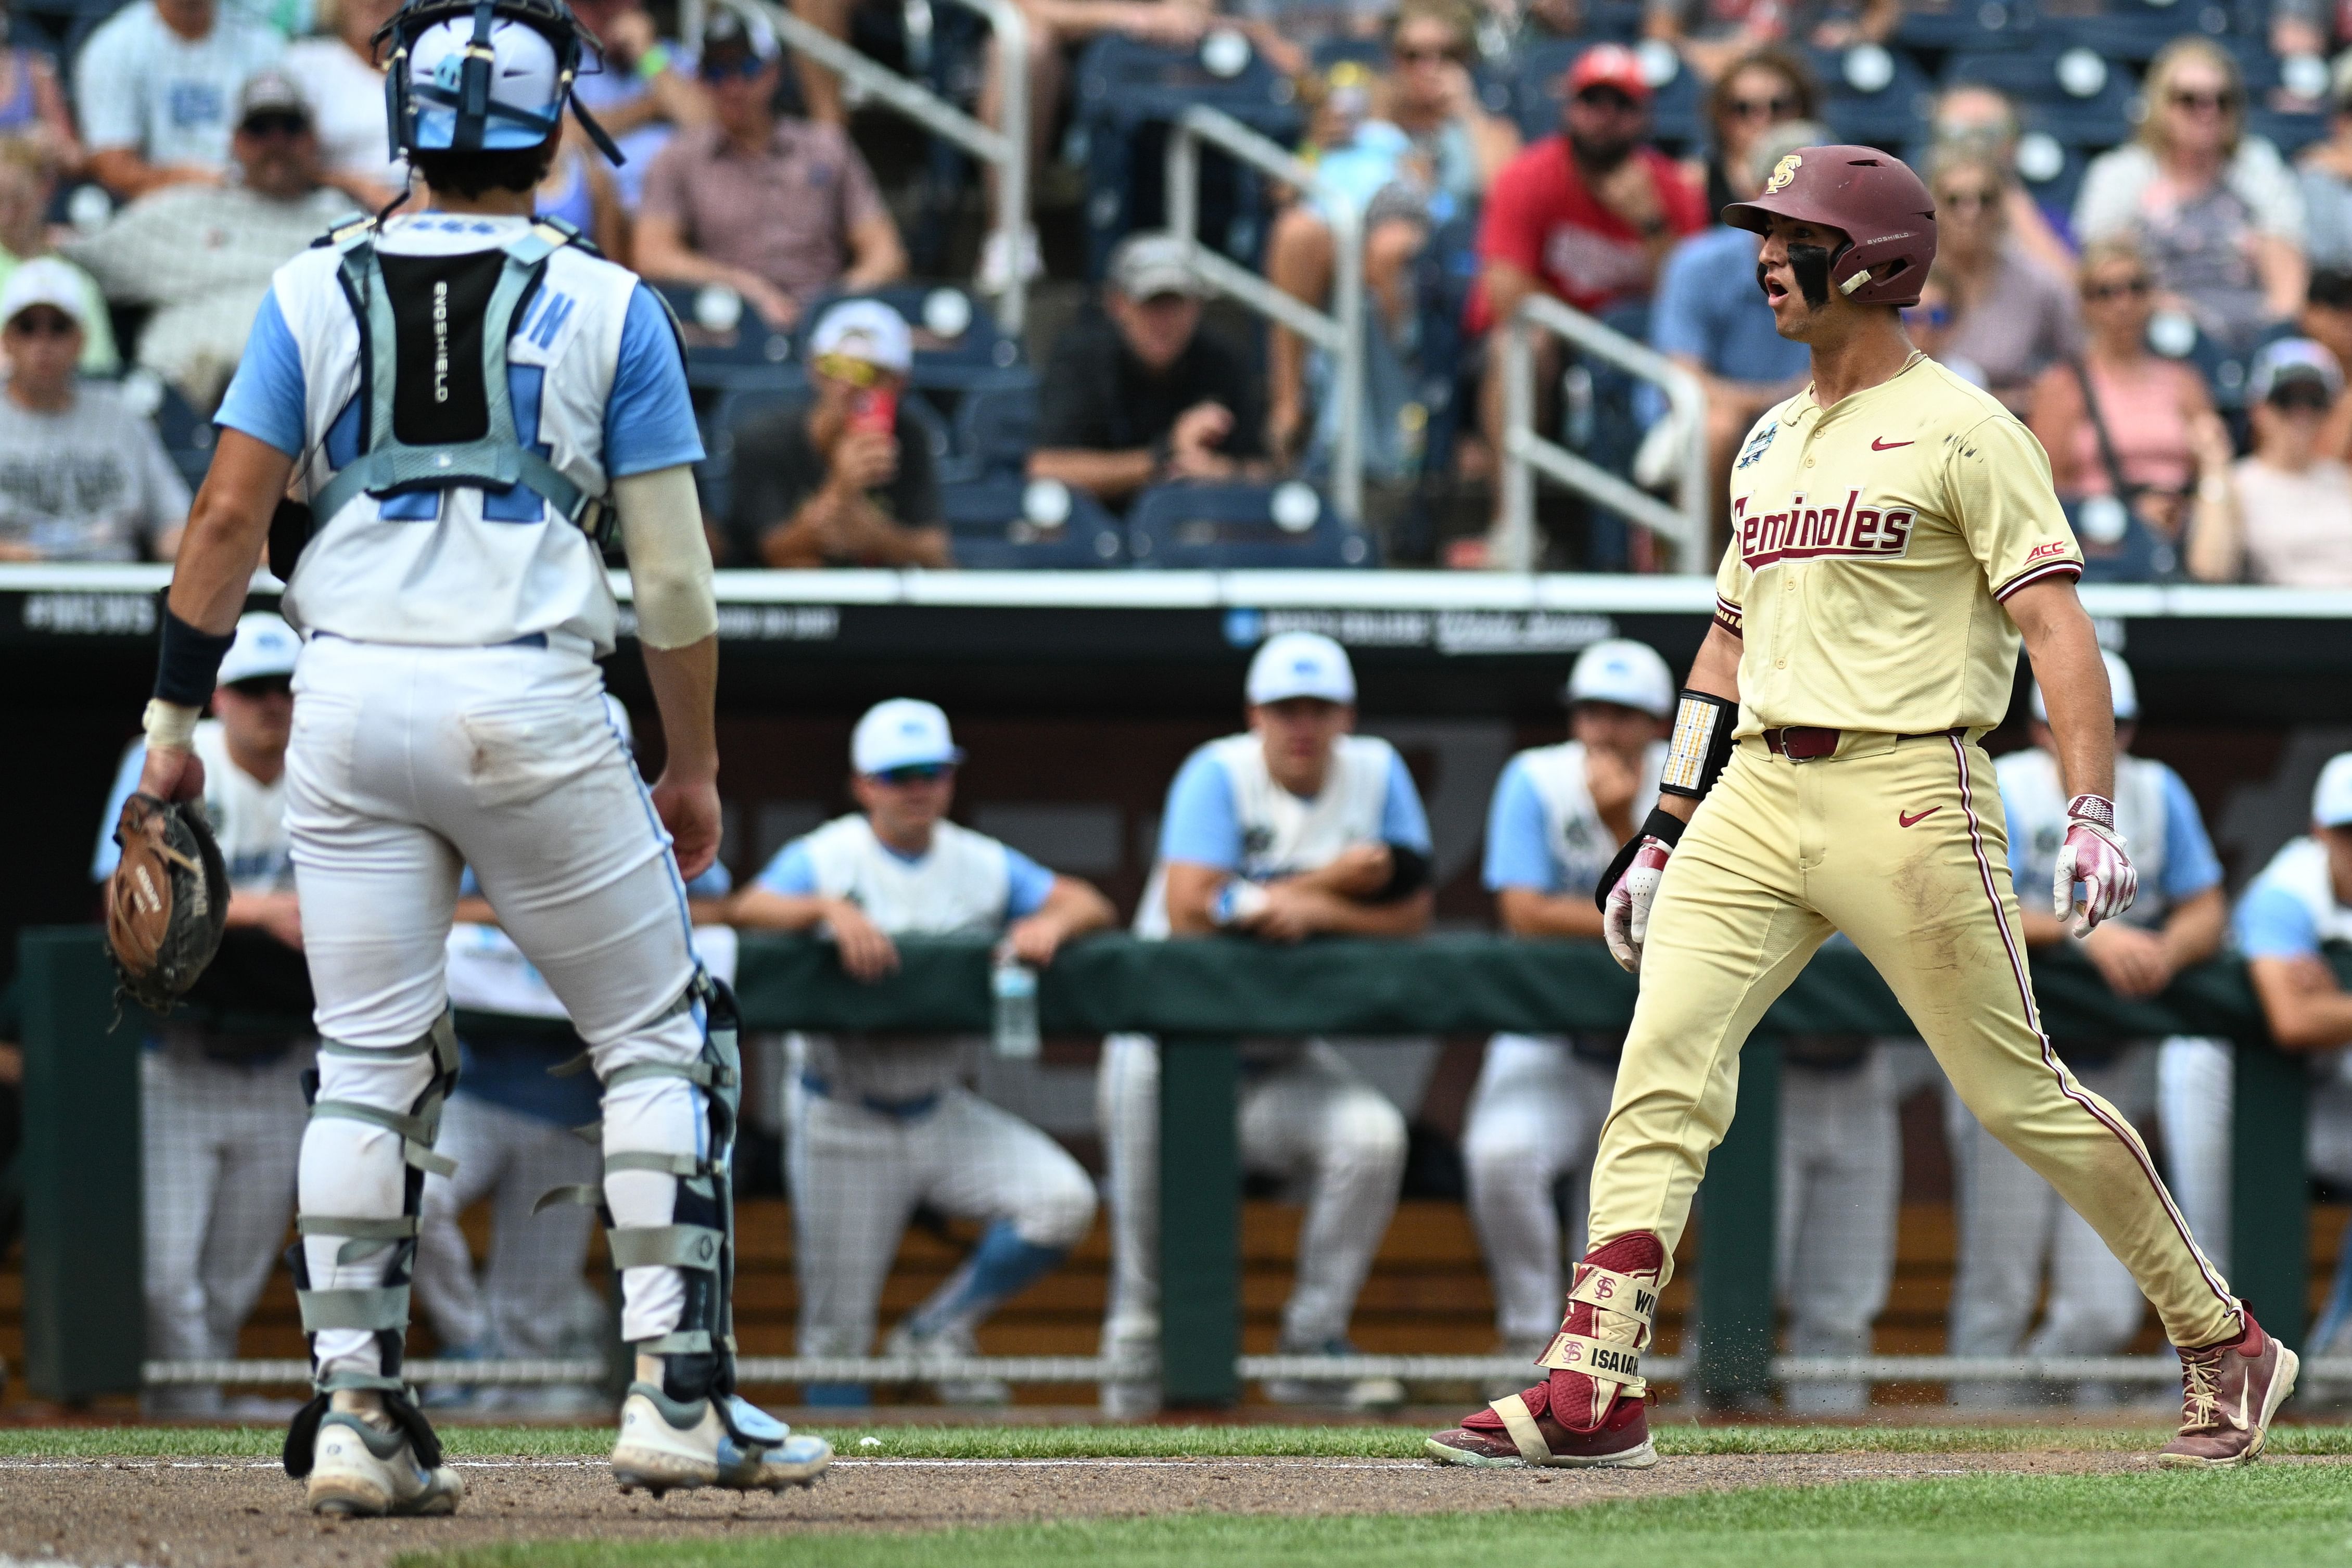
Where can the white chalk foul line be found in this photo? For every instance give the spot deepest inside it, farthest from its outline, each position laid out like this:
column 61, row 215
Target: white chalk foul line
column 865, row 1462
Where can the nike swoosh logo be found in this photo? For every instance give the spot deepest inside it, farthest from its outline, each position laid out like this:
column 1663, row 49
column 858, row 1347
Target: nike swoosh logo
column 1879, row 444
column 1909, row 820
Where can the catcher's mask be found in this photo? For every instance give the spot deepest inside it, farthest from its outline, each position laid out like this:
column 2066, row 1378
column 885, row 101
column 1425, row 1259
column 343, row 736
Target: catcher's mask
column 463, row 75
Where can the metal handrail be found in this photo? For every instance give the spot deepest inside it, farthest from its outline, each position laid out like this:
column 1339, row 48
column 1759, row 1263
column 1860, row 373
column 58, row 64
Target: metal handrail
column 1524, row 452
column 1007, row 149
column 1340, row 333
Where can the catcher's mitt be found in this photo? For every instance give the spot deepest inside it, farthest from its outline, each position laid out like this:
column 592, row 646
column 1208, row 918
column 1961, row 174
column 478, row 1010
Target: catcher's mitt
column 167, row 901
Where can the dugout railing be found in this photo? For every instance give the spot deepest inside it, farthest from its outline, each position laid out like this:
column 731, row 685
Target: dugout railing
column 83, row 1309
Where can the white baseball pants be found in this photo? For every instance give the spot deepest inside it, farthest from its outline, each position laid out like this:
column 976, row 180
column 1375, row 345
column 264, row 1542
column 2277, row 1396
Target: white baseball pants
column 1533, row 1122
column 2013, row 1224
column 407, row 765
column 858, row 1174
column 1311, row 1119
column 1840, row 1177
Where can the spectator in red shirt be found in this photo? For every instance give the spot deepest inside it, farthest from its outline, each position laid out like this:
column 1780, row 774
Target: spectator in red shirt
column 1586, row 217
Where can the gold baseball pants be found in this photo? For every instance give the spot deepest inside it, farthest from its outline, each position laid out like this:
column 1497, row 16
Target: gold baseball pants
column 1900, row 844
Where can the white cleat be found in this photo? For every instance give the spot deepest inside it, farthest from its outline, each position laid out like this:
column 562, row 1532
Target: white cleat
column 668, row 1445
column 358, row 1471
column 947, row 1346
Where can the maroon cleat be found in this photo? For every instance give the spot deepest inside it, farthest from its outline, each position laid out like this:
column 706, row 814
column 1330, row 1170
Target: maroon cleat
column 1592, row 1410
column 2229, row 1393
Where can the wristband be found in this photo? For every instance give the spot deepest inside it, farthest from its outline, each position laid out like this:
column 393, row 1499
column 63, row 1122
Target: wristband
column 170, row 727
column 187, row 665
column 1701, row 746
column 653, row 62
column 1662, row 825
column 2096, row 809
column 1236, row 902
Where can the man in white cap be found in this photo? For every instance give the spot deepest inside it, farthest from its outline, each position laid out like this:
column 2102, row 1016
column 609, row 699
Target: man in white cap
column 221, row 1118
column 2012, row 1224
column 1298, row 827
column 2294, row 909
column 1558, row 815
column 844, row 477
column 881, row 1124
column 1139, row 392
column 82, row 478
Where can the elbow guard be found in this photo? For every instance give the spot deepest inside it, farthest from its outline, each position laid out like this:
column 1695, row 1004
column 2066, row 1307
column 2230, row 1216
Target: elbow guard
column 1702, row 743
column 670, row 559
column 1409, row 873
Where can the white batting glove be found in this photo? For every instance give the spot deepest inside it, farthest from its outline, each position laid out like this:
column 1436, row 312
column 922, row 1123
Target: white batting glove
column 2094, row 855
column 1625, row 919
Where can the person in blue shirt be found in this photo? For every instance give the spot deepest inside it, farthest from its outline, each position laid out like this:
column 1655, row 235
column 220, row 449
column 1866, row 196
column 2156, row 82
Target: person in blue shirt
column 878, row 1125
column 1711, row 318
column 1294, row 828
column 2012, row 1224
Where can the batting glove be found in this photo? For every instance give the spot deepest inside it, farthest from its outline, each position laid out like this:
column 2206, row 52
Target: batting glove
column 1625, row 917
column 2094, row 855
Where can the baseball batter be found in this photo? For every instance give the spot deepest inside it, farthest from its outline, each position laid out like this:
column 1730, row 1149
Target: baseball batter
column 1895, row 536
column 465, row 395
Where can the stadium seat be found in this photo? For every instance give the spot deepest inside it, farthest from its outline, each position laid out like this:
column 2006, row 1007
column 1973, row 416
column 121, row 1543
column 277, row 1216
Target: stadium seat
column 957, row 344
column 2061, row 88
column 2176, row 336
column 2141, row 555
column 728, row 346
column 1242, row 528
column 2052, row 172
column 1006, row 523
column 714, row 477
column 994, row 429
column 1871, row 95
column 1964, row 25
column 2291, row 132
column 2134, row 33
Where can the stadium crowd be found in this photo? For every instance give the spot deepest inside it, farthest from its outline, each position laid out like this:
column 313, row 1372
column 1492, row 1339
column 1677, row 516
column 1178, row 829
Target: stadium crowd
column 2146, row 217
column 1294, row 827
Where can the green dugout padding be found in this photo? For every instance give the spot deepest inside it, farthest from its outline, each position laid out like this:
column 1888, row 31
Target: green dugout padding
column 82, row 1233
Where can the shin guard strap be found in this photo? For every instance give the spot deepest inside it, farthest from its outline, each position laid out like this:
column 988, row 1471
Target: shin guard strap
column 1611, row 1291
column 376, row 1309
column 366, row 1236
column 1595, row 1358
column 1521, row 1425
column 665, row 1246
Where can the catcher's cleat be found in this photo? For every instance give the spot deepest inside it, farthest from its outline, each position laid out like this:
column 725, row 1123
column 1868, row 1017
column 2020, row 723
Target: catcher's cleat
column 2229, row 1393
column 668, row 1445
column 1591, row 1410
column 359, row 1470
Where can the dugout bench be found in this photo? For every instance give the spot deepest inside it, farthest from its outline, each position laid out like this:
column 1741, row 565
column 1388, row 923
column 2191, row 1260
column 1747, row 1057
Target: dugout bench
column 83, row 1311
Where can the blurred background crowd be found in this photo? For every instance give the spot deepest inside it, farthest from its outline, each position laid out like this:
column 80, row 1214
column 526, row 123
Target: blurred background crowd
column 2145, row 211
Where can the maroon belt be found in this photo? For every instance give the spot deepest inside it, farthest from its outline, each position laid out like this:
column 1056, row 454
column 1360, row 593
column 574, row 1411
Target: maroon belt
column 1807, row 743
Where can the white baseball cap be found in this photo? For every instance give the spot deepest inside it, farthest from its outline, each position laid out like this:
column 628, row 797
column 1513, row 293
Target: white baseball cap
column 867, row 331
column 901, row 733
column 46, row 280
column 2120, row 686
column 1622, row 671
column 265, row 646
column 523, row 74
column 1301, row 664
column 2331, row 800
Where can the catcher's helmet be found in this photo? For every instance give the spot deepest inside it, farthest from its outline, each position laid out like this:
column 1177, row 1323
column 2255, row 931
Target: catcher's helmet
column 483, row 75
column 1872, row 198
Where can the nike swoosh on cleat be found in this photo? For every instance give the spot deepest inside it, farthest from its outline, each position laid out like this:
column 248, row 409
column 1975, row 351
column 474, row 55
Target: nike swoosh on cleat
column 1880, row 444
column 1909, row 820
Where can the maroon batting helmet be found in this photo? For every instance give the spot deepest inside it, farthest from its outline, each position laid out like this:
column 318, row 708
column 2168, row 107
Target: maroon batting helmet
column 1873, row 199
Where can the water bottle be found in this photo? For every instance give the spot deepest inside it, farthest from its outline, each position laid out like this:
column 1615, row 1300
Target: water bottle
column 1014, row 984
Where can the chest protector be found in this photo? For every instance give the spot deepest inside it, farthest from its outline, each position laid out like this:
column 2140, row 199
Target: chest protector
column 437, row 409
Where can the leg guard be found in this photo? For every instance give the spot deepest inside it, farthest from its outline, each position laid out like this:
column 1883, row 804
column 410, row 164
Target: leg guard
column 381, row 1310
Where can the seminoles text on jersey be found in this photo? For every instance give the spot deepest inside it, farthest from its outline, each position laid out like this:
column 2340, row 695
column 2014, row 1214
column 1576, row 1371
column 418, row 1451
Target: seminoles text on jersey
column 1843, row 527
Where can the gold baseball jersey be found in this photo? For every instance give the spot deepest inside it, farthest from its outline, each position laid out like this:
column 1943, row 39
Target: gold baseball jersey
column 1873, row 542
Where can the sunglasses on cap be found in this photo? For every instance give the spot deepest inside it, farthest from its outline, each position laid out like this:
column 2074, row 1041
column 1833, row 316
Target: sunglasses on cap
column 264, row 687
column 914, row 773
column 844, row 368
column 42, row 321
column 274, row 122
column 2102, row 292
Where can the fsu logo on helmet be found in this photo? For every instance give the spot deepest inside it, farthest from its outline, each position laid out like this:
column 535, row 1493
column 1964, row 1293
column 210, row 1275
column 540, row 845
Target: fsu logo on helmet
column 1783, row 173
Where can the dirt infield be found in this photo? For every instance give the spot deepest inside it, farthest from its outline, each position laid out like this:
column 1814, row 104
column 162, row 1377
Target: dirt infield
column 238, row 1513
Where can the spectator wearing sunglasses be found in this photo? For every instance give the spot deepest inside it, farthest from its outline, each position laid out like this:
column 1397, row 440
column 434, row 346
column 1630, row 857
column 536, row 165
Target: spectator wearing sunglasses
column 2215, row 209
column 1762, row 89
column 2122, row 420
column 28, row 183
column 780, row 210
column 843, row 477
column 1711, row 35
column 1973, row 117
column 647, row 91
column 1586, row 217
column 2003, row 313
column 2289, row 520
column 202, row 256
column 82, row 478
column 879, row 1124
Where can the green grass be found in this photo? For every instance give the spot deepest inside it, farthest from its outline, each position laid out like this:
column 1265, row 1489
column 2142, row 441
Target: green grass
column 1152, row 1442
column 2276, row 1516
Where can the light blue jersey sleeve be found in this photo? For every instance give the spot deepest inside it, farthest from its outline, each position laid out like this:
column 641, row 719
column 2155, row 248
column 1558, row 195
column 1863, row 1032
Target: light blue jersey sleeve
column 1027, row 884
column 716, row 882
column 264, row 398
column 126, row 779
column 793, row 872
column 1201, row 827
column 1403, row 821
column 649, row 419
column 2272, row 922
column 2190, row 866
column 1517, row 853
